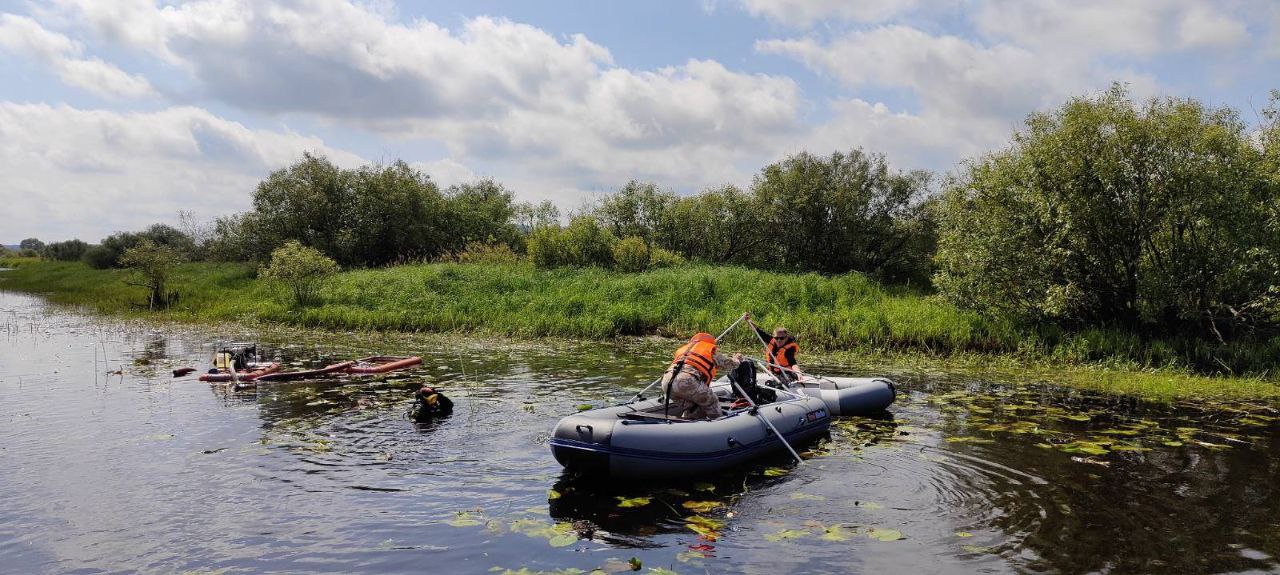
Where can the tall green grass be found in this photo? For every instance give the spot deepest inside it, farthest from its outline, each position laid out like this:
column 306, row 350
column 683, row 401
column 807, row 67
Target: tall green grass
column 848, row 312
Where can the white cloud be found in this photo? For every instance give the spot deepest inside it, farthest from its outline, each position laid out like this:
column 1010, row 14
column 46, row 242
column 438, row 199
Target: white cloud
column 25, row 37
column 1116, row 27
column 447, row 172
column 491, row 91
column 72, row 172
column 553, row 116
column 808, row 12
column 949, row 75
column 969, row 96
column 1202, row 27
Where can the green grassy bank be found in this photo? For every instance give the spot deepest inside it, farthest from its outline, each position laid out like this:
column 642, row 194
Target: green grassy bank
column 843, row 316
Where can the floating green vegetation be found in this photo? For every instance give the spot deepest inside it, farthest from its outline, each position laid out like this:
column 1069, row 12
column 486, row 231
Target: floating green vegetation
column 837, row 532
column 701, row 506
column 704, row 526
column 1087, row 427
column 881, row 534
column 626, row 502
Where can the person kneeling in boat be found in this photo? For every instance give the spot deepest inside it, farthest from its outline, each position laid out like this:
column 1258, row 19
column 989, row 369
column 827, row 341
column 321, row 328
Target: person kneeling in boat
column 688, row 380
column 429, row 404
column 780, row 351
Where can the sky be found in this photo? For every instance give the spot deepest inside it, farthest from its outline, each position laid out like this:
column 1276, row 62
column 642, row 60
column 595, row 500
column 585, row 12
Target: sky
column 116, row 114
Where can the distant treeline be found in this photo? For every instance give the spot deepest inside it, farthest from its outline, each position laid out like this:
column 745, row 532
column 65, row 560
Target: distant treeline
column 1145, row 216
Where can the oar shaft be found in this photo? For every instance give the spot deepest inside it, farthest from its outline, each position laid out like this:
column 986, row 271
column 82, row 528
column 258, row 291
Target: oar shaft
column 721, row 336
column 731, row 326
column 767, row 422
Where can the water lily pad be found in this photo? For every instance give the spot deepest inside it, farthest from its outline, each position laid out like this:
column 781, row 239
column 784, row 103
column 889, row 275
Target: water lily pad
column 975, row 549
column 872, row 505
column 553, row 494
column 968, row 439
column 704, row 526
column 585, row 407
column 807, row 497
column 704, row 486
column 1084, row 447
column 963, row 534
column 563, row 540
column 836, row 532
column 786, row 534
column 776, row 472
column 633, row 501
column 884, row 534
column 700, row 506
column 466, row 519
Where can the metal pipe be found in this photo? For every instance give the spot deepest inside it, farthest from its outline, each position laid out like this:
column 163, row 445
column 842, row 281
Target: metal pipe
column 756, row 412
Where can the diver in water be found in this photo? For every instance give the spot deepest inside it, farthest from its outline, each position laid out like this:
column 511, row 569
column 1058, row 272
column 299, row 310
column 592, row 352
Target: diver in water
column 429, row 404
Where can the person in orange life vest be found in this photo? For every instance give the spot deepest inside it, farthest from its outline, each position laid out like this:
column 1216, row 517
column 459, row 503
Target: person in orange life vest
column 690, row 388
column 780, row 351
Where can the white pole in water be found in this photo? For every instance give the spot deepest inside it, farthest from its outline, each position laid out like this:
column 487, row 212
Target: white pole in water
column 755, row 410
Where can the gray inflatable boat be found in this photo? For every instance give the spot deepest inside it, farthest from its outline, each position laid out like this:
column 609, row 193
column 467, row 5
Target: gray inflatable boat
column 850, row 395
column 636, row 440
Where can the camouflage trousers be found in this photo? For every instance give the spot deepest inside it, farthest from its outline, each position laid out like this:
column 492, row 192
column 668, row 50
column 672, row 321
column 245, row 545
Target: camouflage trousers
column 693, row 399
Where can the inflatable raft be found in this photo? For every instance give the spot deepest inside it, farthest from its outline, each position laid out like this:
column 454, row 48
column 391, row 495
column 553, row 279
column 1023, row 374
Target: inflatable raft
column 382, row 363
column 251, row 373
column 307, row 374
column 850, row 395
column 636, row 440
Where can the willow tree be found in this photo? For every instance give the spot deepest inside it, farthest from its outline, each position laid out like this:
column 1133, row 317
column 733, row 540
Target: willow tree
column 1110, row 211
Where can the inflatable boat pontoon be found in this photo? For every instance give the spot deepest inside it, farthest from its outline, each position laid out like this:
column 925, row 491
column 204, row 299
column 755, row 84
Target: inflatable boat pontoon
column 637, row 440
column 850, row 395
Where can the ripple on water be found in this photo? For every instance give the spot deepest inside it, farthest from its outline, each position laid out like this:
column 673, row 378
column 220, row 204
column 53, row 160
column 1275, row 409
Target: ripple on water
column 138, row 471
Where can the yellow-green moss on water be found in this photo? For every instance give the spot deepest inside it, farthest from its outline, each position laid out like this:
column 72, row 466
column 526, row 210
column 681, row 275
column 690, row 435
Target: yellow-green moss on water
column 847, row 318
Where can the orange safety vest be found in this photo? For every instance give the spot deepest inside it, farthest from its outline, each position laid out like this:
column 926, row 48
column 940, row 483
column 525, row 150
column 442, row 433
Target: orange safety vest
column 778, row 353
column 700, row 354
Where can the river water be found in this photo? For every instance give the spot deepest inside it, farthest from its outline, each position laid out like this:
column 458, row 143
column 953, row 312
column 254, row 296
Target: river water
column 109, row 464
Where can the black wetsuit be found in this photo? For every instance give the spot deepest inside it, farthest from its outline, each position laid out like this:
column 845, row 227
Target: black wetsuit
column 424, row 411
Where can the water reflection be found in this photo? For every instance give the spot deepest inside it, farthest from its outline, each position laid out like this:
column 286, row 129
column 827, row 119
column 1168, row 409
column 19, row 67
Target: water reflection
column 141, row 471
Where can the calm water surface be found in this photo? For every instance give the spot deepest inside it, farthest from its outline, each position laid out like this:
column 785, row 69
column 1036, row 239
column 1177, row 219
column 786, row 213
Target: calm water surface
column 108, row 464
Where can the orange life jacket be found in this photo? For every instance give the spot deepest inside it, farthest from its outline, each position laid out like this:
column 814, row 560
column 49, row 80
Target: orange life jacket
column 700, row 354
column 778, row 354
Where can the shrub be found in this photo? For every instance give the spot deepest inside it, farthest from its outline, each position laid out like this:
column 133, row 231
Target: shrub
column 631, row 254
column 586, row 243
column 482, row 253
column 68, row 251
column 154, row 263
column 582, row 243
column 1110, row 212
column 99, row 257
column 660, row 258
column 301, row 268
column 546, row 247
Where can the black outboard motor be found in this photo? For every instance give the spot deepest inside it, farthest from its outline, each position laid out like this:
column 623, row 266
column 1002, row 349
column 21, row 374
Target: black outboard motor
column 236, row 356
